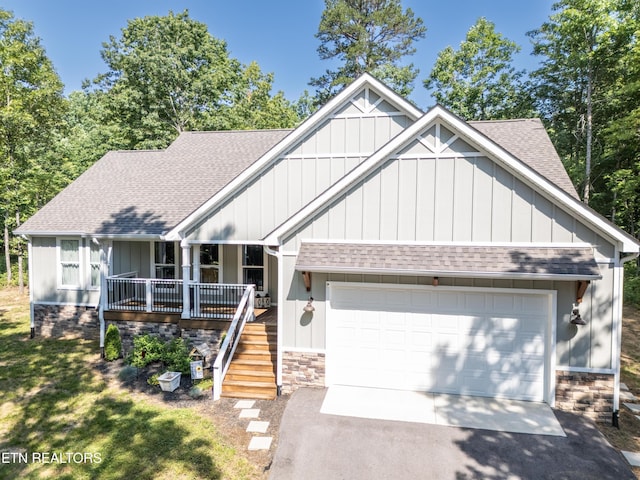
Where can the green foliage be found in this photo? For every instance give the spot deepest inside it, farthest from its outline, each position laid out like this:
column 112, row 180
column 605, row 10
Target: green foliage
column 366, row 36
column 153, row 379
column 31, row 106
column 477, row 81
column 168, row 74
column 112, row 343
column 146, row 349
column 174, row 354
column 632, row 283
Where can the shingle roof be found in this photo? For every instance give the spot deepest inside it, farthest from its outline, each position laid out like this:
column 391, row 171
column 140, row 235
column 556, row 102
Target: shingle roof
column 449, row 260
column 527, row 140
column 148, row 192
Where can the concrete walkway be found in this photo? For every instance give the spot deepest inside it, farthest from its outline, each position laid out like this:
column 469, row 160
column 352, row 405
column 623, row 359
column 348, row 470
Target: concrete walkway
column 442, row 409
column 318, row 446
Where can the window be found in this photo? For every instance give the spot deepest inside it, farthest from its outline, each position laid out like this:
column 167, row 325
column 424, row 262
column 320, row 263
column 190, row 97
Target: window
column 253, row 271
column 69, row 262
column 209, row 264
column 165, row 260
column 94, row 265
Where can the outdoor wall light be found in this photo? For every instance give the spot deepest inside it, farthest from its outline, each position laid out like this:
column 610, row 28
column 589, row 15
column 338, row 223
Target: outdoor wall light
column 308, row 308
column 576, row 319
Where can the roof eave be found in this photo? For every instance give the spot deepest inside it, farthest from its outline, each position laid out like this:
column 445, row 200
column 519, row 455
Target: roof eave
column 309, row 124
column 449, row 273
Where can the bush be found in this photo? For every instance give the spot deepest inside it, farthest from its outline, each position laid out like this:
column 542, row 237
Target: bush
column 176, row 356
column 632, row 284
column 112, row 343
column 146, row 349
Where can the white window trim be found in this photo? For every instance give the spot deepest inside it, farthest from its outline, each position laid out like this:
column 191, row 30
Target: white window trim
column 88, row 263
column 152, row 259
column 60, row 285
column 198, row 267
column 265, row 267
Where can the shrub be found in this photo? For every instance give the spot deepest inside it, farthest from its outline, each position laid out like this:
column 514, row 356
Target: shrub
column 112, row 343
column 176, row 356
column 146, row 349
column 632, row 283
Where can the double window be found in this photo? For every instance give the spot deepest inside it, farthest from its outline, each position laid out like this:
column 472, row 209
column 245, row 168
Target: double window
column 78, row 264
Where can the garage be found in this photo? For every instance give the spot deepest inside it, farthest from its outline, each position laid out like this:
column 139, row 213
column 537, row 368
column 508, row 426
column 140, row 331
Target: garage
column 458, row 340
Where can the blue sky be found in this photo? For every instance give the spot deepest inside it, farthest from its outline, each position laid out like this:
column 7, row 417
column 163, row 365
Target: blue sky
column 278, row 34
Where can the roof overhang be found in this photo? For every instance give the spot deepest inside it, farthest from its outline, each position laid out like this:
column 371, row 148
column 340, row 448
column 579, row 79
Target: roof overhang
column 626, row 242
column 530, row 261
column 281, row 147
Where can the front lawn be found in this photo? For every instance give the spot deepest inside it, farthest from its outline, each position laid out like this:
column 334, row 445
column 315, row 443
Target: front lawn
column 60, row 419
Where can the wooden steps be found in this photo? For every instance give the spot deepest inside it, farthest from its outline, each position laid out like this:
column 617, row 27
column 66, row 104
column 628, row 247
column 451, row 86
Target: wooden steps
column 252, row 372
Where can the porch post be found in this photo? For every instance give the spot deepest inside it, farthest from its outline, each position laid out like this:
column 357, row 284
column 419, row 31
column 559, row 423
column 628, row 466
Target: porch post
column 186, row 279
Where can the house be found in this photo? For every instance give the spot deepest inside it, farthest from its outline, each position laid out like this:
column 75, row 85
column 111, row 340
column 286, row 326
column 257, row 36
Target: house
column 399, row 249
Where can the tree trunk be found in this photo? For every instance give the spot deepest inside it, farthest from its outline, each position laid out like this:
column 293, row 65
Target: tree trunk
column 7, row 250
column 587, row 183
column 20, row 261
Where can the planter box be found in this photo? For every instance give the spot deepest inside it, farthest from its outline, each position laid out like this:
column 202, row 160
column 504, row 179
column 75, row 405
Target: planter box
column 169, row 381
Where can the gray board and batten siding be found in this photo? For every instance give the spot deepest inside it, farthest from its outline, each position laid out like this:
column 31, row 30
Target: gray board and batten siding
column 459, row 195
column 301, row 174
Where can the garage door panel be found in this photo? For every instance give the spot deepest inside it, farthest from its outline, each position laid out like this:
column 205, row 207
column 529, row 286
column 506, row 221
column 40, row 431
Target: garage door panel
column 464, row 342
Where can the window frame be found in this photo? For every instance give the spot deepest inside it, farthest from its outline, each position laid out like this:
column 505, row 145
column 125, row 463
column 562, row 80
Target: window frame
column 80, row 285
column 205, row 266
column 264, row 267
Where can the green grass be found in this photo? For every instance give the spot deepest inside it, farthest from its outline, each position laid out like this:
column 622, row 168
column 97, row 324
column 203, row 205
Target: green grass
column 53, row 401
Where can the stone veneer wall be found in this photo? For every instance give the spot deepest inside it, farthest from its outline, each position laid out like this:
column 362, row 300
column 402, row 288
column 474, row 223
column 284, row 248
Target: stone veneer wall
column 302, row 369
column 66, row 321
column 83, row 322
column 589, row 394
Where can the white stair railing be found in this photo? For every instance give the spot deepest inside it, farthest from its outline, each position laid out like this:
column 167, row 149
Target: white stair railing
column 243, row 314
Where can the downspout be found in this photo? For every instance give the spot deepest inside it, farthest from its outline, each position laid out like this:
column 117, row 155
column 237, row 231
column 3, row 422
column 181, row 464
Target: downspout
column 275, row 253
column 30, row 270
column 620, row 290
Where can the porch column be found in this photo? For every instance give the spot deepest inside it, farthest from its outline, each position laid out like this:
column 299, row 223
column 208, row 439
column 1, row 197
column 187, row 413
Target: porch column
column 186, row 279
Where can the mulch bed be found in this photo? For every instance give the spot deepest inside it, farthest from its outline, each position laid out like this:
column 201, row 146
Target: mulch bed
column 222, row 412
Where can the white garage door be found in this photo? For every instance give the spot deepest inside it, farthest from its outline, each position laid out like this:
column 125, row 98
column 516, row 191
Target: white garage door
column 463, row 341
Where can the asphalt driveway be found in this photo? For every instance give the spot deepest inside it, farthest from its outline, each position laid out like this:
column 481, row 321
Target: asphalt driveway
column 318, row 446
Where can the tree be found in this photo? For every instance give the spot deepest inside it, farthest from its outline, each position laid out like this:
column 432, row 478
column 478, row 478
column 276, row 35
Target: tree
column 366, row 36
column 617, row 177
column 169, row 74
column 569, row 83
column 477, row 81
column 31, row 105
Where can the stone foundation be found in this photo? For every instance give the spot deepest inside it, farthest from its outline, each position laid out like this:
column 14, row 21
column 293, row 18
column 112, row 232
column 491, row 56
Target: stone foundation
column 302, row 369
column 82, row 322
column 589, row 394
column 66, row 321
column 166, row 331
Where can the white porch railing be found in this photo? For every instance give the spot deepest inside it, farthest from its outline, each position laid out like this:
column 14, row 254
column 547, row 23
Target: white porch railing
column 243, row 314
column 128, row 292
column 144, row 294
